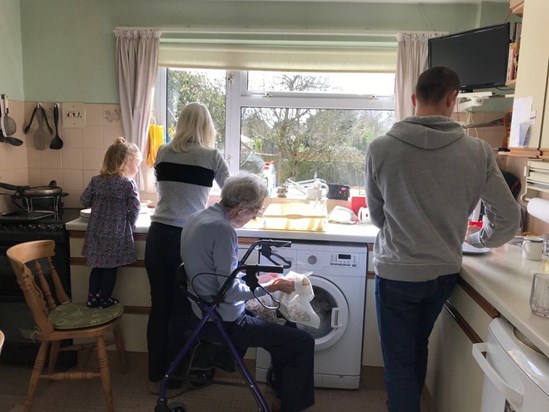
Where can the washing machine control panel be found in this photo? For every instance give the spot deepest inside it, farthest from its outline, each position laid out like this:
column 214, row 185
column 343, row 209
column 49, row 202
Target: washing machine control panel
column 344, row 259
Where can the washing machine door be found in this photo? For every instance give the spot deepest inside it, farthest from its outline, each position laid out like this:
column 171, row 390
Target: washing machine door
column 331, row 306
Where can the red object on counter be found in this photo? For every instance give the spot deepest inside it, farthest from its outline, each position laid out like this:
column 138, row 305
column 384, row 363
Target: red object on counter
column 357, row 202
column 477, row 224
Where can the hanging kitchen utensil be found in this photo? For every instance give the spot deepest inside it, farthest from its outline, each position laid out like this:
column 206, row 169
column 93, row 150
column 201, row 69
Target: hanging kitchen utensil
column 41, row 135
column 56, row 143
column 28, row 126
column 7, row 124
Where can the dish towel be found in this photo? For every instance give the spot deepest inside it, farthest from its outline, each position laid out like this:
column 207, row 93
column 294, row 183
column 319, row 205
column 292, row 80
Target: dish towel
column 156, row 139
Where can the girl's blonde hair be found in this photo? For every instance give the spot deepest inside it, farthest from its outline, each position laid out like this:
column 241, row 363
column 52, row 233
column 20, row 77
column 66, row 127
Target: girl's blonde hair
column 117, row 157
column 194, row 127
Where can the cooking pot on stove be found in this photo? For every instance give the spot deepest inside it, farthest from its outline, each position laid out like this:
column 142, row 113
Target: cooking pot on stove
column 24, row 196
column 37, row 191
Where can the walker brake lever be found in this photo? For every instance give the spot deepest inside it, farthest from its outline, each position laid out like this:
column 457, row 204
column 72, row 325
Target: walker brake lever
column 251, row 274
column 287, row 264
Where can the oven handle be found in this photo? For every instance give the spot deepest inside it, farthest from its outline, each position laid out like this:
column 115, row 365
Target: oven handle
column 511, row 394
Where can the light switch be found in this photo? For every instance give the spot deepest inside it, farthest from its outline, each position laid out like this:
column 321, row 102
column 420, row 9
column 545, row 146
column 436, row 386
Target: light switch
column 73, row 115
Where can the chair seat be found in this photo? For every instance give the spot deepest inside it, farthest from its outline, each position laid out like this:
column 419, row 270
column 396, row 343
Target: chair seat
column 78, row 315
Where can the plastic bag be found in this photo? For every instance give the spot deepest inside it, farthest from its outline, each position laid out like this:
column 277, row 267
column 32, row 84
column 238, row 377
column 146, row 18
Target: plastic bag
column 296, row 307
column 260, row 307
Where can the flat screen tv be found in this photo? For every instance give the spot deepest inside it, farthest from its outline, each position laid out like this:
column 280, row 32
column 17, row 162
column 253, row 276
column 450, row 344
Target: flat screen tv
column 478, row 56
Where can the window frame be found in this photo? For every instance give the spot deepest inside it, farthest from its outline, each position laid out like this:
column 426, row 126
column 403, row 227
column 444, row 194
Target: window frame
column 238, row 96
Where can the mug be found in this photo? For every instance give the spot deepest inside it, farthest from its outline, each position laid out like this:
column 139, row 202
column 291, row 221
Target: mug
column 532, row 248
column 363, row 215
column 539, row 295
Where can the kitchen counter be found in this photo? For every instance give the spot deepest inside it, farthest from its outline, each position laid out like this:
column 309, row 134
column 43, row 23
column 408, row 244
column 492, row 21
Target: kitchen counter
column 334, row 232
column 504, row 279
column 501, row 276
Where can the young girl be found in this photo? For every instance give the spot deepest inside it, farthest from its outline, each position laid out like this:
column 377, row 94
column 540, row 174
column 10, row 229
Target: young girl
column 114, row 201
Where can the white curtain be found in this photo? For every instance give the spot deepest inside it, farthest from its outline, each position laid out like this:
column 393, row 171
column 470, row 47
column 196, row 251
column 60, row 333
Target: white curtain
column 411, row 62
column 137, row 62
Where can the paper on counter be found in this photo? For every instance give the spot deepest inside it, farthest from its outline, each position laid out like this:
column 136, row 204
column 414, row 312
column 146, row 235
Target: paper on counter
column 521, row 121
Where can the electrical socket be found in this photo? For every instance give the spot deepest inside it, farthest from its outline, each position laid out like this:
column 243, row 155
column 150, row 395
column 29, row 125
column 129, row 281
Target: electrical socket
column 73, row 115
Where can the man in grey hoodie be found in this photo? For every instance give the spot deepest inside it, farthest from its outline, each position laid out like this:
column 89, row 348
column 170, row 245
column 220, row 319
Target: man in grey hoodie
column 423, row 179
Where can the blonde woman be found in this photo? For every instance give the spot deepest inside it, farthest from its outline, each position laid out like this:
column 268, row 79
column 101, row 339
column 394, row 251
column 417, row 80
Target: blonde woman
column 185, row 171
column 114, row 199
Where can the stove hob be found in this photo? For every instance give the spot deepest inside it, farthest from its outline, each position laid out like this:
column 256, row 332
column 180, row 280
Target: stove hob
column 24, row 216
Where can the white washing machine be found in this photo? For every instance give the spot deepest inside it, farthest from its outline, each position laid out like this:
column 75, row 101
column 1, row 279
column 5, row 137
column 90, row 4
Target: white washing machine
column 339, row 284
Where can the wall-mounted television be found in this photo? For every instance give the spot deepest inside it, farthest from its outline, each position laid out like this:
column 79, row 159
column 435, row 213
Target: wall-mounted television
column 478, row 56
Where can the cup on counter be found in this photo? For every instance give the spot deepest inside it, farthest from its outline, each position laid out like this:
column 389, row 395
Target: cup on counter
column 532, row 248
column 363, row 215
column 539, row 295
column 357, row 202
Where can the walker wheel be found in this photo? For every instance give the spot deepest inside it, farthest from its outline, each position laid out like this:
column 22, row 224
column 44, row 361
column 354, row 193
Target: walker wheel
column 177, row 406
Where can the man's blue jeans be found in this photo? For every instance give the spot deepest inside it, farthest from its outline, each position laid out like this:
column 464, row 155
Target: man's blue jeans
column 406, row 313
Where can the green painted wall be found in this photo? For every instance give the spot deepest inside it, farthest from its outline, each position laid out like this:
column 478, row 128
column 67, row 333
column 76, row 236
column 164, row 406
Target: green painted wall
column 68, row 48
column 11, row 55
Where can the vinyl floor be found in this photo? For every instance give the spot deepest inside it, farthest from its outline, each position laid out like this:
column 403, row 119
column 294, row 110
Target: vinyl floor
column 227, row 394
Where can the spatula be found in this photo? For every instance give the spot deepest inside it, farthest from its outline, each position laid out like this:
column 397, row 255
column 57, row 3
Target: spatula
column 56, row 143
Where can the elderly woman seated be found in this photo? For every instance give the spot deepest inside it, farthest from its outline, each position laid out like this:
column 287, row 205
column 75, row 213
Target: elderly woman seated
column 209, row 250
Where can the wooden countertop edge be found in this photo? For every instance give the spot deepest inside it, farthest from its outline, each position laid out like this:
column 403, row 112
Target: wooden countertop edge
column 478, row 298
column 463, row 324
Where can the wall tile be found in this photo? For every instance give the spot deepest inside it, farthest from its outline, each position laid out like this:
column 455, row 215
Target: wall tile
column 71, row 159
column 15, row 176
column 35, row 176
column 92, row 137
column 73, row 199
column 93, row 159
column 110, row 133
column 73, row 179
column 52, row 174
column 33, row 157
column 94, row 115
column 72, row 138
column 88, row 174
column 13, row 156
column 50, row 159
column 111, row 115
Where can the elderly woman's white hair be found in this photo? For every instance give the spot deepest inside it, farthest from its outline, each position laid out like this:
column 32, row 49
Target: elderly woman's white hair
column 243, row 189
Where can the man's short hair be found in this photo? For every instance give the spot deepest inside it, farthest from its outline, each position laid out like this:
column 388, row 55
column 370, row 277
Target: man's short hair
column 435, row 83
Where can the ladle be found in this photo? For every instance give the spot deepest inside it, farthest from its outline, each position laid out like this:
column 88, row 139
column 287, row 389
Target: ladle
column 56, row 143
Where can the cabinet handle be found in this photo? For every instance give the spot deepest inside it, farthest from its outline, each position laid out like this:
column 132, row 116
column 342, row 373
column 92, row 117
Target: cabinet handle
column 511, row 394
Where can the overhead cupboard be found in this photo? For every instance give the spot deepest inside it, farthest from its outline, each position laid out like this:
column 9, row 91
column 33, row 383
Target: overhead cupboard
column 531, row 106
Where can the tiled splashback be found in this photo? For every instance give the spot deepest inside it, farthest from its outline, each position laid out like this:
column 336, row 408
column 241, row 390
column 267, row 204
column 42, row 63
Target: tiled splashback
column 71, row 167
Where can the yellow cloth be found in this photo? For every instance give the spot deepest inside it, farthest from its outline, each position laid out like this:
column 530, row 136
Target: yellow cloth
column 156, row 138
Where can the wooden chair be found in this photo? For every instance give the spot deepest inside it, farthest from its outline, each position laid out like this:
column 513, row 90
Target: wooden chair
column 57, row 319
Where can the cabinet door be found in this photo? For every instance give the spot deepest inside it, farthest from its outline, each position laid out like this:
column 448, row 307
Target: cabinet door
column 454, row 379
column 532, row 65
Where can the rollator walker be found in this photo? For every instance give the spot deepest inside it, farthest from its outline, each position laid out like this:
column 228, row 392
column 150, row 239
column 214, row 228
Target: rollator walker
column 209, row 311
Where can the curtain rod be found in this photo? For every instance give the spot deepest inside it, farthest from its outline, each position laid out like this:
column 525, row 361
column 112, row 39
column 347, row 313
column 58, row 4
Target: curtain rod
column 234, row 30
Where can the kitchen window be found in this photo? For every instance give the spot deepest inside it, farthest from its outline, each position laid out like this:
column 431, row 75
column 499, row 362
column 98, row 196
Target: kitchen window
column 291, row 125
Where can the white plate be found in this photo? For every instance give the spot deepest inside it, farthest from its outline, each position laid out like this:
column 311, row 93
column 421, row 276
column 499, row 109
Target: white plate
column 85, row 213
column 467, row 249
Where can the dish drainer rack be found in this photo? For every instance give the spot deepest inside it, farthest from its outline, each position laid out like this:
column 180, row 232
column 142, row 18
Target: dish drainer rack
column 537, row 179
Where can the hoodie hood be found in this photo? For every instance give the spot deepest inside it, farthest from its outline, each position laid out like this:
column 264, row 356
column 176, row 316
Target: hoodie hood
column 427, row 132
